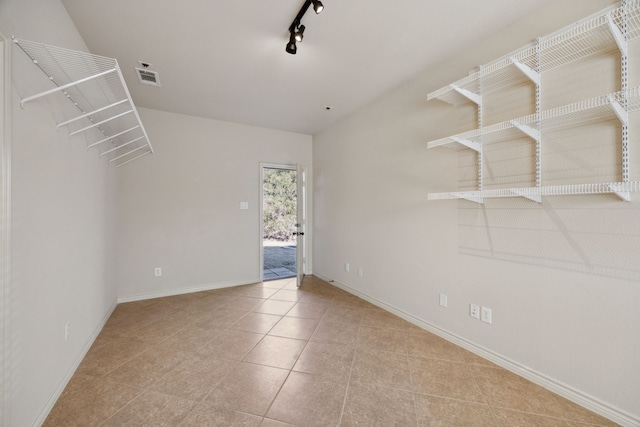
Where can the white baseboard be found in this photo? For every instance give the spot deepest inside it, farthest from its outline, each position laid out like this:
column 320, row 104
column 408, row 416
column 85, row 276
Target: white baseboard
column 583, row 399
column 181, row 291
column 56, row 395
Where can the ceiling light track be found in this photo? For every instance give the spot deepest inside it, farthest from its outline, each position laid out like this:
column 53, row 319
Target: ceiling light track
column 296, row 30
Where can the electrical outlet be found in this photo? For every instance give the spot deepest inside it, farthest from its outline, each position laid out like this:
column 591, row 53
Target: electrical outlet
column 158, row 271
column 360, row 272
column 67, row 330
column 485, row 314
column 347, row 267
column 474, row 311
column 443, row 300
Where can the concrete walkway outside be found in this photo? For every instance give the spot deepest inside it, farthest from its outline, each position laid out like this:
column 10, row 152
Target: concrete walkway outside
column 279, row 260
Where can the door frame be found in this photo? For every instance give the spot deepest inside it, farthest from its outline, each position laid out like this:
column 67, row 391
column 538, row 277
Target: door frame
column 264, row 166
column 5, row 229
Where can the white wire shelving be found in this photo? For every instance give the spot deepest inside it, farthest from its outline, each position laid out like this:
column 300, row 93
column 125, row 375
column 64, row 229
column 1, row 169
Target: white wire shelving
column 106, row 115
column 579, row 113
column 598, row 34
column 607, row 31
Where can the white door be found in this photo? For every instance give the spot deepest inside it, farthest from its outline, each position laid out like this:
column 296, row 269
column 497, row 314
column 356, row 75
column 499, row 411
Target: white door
column 301, row 257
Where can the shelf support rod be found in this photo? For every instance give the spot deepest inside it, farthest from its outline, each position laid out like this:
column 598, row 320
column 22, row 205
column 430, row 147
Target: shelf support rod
column 135, row 158
column 100, row 123
column 469, row 197
column 59, row 125
column 63, row 87
column 527, row 71
column 475, row 146
column 473, row 97
column 624, row 195
column 527, row 130
column 617, row 35
column 121, row 145
column 535, row 197
column 622, row 114
column 112, row 136
column 127, row 153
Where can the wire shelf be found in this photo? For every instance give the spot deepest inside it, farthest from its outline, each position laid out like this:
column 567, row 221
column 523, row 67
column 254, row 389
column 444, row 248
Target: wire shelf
column 579, row 113
column 95, row 85
column 592, row 36
column 620, row 189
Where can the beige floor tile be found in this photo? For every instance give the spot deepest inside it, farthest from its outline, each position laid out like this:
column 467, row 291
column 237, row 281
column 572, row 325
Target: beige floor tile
column 433, row 411
column 507, row 418
column 276, row 351
column 369, row 405
column 231, row 344
column 382, row 339
column 259, row 292
column 293, row 327
column 104, row 358
column 331, row 361
column 194, row 378
column 152, row 409
column 379, row 318
column 335, row 332
column 572, row 411
column 287, row 295
column 308, row 400
column 248, row 388
column 244, row 303
column 504, row 389
column 278, row 283
column 349, row 315
column 207, row 415
column 444, row 378
column 266, row 422
column 308, row 310
column 474, row 359
column 348, row 300
column 260, row 323
column 146, row 368
column 157, row 358
column 89, row 401
column 220, row 319
column 426, row 344
column 381, row 368
column 275, row 307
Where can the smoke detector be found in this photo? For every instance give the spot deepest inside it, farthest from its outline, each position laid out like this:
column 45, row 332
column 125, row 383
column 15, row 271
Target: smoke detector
column 148, row 77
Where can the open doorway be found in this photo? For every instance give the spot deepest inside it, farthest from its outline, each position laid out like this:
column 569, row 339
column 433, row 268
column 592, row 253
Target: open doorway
column 279, row 219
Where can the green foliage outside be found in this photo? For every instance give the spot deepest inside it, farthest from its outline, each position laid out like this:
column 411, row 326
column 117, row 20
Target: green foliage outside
column 279, row 191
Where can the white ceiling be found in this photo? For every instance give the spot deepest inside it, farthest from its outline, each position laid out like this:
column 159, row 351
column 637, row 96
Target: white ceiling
column 226, row 59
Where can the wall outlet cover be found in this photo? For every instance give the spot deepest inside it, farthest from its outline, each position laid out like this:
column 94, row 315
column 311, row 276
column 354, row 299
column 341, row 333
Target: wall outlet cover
column 485, row 314
column 443, row 300
column 474, row 311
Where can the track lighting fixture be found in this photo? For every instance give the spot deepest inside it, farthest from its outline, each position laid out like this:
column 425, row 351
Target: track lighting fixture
column 296, row 29
column 299, row 34
column 291, row 46
column 317, row 6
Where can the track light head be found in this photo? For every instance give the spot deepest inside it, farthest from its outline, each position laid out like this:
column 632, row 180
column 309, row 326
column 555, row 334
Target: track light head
column 296, row 29
column 291, row 46
column 317, row 6
column 299, row 34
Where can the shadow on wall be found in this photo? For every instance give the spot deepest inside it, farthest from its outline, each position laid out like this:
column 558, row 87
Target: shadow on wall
column 589, row 234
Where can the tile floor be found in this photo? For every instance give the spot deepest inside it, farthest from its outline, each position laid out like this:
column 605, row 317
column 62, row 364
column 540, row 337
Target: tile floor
column 272, row 355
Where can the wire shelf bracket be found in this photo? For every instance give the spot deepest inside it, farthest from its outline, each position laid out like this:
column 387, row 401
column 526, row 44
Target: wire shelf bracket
column 97, row 89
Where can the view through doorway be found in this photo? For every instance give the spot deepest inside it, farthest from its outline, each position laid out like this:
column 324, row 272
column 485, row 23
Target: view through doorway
column 279, row 217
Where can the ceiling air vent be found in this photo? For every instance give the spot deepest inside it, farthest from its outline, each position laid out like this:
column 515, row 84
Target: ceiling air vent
column 148, row 77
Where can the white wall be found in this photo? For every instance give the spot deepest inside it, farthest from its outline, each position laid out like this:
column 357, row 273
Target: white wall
column 63, row 235
column 179, row 209
column 562, row 277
